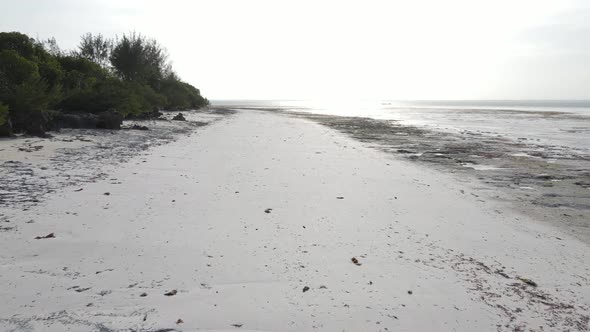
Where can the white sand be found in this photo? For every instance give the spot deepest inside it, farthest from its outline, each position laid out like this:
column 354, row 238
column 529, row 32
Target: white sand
column 192, row 218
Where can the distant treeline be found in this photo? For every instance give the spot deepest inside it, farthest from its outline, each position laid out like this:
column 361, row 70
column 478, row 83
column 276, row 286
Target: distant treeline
column 125, row 77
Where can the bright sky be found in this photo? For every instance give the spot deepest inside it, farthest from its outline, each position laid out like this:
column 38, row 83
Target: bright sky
column 256, row 49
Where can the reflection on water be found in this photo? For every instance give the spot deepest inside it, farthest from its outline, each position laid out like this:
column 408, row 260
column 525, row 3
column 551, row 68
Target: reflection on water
column 556, row 123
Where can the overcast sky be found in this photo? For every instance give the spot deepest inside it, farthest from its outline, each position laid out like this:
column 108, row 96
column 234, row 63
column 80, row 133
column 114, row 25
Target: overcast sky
column 253, row 49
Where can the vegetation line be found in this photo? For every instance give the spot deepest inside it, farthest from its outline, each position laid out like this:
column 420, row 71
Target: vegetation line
column 98, row 85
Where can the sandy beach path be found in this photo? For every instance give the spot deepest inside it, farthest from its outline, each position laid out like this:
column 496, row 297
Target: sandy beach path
column 251, row 224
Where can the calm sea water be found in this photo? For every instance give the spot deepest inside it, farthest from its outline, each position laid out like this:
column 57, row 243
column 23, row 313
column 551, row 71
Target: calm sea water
column 555, row 123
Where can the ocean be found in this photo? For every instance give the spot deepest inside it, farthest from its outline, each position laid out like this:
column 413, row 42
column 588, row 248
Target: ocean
column 564, row 124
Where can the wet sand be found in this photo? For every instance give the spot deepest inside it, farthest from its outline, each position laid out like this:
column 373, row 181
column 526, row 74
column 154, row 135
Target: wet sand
column 252, row 223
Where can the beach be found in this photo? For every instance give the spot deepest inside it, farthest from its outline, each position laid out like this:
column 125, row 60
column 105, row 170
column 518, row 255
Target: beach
column 250, row 220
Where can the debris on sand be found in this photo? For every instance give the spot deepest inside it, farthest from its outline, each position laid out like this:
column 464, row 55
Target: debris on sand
column 48, row 236
column 80, row 290
column 143, row 294
column 305, row 289
column 107, row 194
column 410, row 292
column 237, row 325
column 503, row 274
column 268, row 210
column 528, row 282
column 355, row 261
column 339, row 197
column 31, row 148
column 77, row 190
column 179, row 321
column 171, row 293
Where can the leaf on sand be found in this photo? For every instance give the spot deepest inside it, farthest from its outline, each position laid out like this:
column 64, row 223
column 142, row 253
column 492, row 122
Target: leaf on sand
column 48, row 236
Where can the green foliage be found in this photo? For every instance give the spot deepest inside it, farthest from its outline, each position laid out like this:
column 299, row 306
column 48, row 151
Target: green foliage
column 130, row 76
column 22, row 88
column 137, row 58
column 180, row 95
column 96, row 49
column 18, row 42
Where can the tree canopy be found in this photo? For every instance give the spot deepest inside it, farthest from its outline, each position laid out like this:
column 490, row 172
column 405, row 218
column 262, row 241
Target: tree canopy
column 130, row 75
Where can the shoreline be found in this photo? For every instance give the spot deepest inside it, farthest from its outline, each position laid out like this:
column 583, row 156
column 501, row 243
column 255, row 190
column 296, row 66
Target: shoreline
column 200, row 227
column 544, row 182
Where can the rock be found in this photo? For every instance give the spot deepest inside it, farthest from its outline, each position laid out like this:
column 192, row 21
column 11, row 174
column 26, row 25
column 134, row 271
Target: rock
column 138, row 127
column 104, row 120
column 305, row 289
column 48, row 236
column 267, row 210
column 410, row 292
column 6, row 128
column 179, row 117
column 171, row 293
column 109, row 120
column 143, row 294
column 237, row 325
column 179, row 321
column 355, row 261
column 74, row 120
column 36, row 124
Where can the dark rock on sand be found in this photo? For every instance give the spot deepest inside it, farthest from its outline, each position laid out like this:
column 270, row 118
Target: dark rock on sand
column 179, row 117
column 171, row 293
column 48, row 236
column 138, row 127
column 109, row 120
column 104, row 120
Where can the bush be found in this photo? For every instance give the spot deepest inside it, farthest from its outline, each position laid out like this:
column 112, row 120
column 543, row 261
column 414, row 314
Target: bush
column 36, row 77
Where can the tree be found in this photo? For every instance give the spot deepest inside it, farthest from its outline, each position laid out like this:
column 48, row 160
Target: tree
column 137, row 58
column 50, row 45
column 96, row 49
